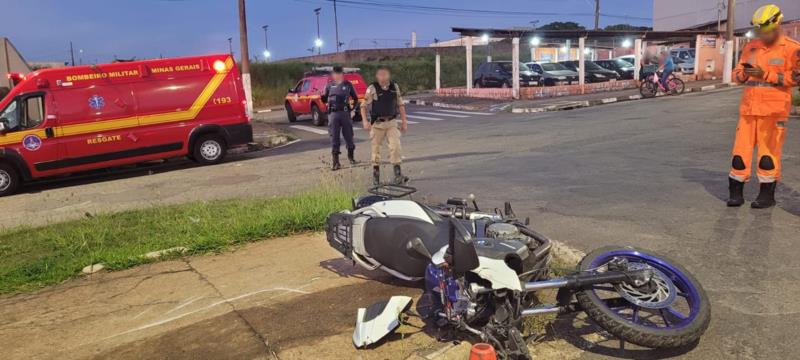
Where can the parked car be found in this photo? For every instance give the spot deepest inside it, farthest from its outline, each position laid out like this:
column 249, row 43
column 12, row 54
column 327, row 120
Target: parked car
column 73, row 119
column 553, row 73
column 623, row 68
column 685, row 54
column 683, row 66
column 627, row 58
column 499, row 74
column 305, row 97
column 594, row 72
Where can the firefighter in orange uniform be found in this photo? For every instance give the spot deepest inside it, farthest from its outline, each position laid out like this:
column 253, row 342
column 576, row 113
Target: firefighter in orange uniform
column 768, row 69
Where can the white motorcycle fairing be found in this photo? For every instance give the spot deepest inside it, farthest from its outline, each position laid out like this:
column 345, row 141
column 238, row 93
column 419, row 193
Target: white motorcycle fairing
column 378, row 320
column 498, row 273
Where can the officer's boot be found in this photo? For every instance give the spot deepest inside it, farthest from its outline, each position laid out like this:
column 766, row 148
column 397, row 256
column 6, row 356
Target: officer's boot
column 376, row 175
column 335, row 165
column 766, row 196
column 736, row 197
column 399, row 179
column 352, row 156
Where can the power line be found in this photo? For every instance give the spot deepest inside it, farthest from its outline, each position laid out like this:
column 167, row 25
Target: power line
column 424, row 9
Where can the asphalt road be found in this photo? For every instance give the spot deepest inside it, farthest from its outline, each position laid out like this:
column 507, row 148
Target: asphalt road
column 648, row 173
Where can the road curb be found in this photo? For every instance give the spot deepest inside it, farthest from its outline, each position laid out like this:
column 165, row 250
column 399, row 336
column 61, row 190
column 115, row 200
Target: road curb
column 610, row 100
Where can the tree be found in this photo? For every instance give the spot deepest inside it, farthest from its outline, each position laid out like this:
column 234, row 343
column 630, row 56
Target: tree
column 559, row 25
column 626, row 27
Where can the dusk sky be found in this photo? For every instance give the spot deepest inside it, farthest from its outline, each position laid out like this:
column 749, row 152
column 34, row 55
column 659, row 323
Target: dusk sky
column 42, row 29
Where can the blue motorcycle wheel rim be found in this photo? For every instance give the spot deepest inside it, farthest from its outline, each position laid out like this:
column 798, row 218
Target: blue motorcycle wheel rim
column 672, row 318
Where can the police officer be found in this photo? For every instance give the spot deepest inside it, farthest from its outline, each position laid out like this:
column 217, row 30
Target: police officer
column 768, row 69
column 384, row 104
column 339, row 94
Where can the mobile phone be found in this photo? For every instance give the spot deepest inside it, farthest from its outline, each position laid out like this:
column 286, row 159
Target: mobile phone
column 747, row 66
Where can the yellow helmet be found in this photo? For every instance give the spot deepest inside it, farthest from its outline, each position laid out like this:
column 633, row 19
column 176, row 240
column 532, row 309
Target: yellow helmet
column 767, row 17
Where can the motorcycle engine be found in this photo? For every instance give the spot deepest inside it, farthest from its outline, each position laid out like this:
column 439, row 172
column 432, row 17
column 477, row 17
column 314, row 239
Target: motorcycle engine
column 505, row 231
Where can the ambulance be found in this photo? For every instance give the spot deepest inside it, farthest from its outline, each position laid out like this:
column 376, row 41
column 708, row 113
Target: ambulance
column 68, row 120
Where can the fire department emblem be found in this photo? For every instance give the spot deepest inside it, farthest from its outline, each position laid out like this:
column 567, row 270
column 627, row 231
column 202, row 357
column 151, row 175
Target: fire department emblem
column 97, row 102
column 32, row 142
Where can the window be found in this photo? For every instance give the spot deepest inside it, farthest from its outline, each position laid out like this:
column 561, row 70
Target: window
column 10, row 116
column 306, row 85
column 34, row 112
column 298, row 87
column 28, row 115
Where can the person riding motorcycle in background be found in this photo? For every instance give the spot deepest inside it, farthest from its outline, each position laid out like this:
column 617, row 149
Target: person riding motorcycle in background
column 768, row 68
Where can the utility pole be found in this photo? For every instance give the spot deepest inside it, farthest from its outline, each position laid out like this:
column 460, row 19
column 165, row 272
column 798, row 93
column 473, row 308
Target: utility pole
column 245, row 61
column 230, row 45
column 318, row 42
column 731, row 21
column 597, row 14
column 71, row 54
column 336, row 21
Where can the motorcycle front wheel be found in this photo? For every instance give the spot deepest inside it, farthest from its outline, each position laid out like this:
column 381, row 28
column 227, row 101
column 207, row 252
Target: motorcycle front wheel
column 672, row 310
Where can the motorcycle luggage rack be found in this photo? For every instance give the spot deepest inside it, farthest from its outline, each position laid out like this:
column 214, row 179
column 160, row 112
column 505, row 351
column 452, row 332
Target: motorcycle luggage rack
column 392, row 191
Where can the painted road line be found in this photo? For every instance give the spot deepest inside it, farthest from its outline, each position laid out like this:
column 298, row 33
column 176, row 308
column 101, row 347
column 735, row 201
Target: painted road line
column 441, row 114
column 466, row 112
column 310, row 129
column 423, row 118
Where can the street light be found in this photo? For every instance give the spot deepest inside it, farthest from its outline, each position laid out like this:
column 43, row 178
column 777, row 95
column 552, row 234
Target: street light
column 535, row 41
column 485, row 38
column 318, row 42
column 266, row 43
column 626, row 43
column 749, row 34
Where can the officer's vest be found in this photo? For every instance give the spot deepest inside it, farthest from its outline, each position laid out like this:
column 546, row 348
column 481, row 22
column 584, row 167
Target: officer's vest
column 337, row 96
column 386, row 103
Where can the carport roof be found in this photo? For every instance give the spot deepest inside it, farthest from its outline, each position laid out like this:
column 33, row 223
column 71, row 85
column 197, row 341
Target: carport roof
column 591, row 34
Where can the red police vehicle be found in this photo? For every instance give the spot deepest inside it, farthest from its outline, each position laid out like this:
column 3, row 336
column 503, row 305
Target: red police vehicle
column 58, row 121
column 304, row 98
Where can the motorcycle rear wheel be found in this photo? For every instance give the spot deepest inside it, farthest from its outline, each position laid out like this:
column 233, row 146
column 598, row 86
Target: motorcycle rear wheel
column 655, row 324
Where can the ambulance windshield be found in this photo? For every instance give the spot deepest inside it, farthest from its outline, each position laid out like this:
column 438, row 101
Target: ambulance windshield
column 10, row 116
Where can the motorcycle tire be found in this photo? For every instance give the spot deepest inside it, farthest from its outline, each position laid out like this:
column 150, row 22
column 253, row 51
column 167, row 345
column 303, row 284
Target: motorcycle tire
column 680, row 331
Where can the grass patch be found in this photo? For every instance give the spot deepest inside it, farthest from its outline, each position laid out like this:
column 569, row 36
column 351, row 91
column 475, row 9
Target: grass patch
column 32, row 257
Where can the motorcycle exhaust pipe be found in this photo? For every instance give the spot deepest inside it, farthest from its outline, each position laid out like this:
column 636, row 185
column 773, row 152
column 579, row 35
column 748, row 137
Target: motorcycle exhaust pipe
column 579, row 281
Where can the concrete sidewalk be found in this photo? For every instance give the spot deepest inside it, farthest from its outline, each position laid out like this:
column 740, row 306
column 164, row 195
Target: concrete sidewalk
column 288, row 298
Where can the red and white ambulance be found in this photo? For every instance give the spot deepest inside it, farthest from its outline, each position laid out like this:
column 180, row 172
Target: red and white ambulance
column 67, row 120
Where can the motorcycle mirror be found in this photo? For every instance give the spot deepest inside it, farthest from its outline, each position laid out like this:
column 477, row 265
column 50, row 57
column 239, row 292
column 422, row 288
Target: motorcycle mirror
column 471, row 198
column 419, row 247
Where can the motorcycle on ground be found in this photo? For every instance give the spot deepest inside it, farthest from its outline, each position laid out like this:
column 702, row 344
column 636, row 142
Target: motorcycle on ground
column 481, row 267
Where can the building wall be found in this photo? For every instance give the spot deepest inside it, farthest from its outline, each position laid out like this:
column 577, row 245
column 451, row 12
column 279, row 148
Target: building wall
column 10, row 61
column 680, row 14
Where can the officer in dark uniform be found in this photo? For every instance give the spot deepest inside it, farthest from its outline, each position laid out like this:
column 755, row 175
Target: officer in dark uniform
column 338, row 95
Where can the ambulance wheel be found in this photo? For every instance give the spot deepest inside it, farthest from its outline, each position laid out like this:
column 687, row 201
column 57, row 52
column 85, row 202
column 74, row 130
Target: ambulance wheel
column 209, row 149
column 290, row 113
column 9, row 179
column 317, row 117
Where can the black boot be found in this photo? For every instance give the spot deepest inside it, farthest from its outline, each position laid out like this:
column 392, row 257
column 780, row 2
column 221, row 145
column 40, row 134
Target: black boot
column 351, row 155
column 376, row 175
column 335, row 162
column 399, row 179
column 766, row 196
column 736, row 188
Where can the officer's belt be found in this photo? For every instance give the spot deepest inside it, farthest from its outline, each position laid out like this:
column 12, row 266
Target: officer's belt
column 384, row 118
column 760, row 84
